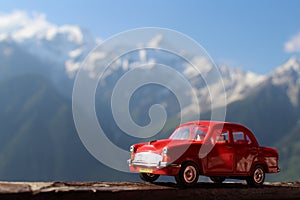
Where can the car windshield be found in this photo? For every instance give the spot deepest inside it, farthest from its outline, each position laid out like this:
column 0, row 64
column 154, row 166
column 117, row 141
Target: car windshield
column 182, row 133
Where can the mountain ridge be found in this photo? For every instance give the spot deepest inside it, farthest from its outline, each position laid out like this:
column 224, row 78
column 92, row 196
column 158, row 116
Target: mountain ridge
column 36, row 113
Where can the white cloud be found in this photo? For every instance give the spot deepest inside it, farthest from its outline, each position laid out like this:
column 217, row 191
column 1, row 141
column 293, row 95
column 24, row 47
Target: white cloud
column 293, row 45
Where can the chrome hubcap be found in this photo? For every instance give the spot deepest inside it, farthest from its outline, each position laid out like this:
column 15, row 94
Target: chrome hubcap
column 258, row 175
column 190, row 174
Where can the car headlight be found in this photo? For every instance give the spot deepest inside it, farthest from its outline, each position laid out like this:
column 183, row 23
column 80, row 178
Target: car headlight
column 131, row 148
column 164, row 151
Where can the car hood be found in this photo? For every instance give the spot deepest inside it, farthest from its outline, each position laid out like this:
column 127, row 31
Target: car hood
column 158, row 145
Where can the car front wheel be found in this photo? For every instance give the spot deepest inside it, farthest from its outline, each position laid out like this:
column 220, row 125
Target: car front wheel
column 188, row 174
column 148, row 177
column 258, row 176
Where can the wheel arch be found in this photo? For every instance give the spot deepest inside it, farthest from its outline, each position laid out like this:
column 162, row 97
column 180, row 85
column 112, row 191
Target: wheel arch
column 194, row 161
column 262, row 164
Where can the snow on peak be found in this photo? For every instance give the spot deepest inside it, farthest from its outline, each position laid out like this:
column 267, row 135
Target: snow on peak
column 238, row 82
column 64, row 44
column 20, row 26
column 291, row 64
column 155, row 42
column 286, row 72
column 288, row 75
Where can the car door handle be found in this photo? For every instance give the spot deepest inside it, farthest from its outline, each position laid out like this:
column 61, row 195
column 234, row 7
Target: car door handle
column 228, row 147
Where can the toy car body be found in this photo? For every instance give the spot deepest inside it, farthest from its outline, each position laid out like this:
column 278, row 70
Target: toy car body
column 218, row 150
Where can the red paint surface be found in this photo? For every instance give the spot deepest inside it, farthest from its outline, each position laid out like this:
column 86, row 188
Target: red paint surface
column 236, row 156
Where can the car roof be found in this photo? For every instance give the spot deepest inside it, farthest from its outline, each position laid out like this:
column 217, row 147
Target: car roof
column 210, row 123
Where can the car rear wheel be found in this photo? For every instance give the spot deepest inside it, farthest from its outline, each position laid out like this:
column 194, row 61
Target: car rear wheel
column 217, row 179
column 148, row 177
column 188, row 174
column 258, row 176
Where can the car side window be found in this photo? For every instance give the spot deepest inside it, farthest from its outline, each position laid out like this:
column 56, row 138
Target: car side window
column 240, row 137
column 199, row 134
column 223, row 137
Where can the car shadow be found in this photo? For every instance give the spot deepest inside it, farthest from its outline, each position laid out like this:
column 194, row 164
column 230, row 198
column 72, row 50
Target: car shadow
column 218, row 185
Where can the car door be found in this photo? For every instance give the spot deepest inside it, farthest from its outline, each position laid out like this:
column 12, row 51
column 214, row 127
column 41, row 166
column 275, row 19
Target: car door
column 245, row 151
column 221, row 157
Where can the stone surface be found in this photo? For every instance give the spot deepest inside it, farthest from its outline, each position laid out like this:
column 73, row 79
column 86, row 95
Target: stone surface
column 144, row 191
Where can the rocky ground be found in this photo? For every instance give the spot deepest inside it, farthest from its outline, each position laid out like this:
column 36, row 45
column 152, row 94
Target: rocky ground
column 145, row 191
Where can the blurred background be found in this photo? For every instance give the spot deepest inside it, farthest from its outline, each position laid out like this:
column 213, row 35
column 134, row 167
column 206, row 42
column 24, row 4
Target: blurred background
column 256, row 45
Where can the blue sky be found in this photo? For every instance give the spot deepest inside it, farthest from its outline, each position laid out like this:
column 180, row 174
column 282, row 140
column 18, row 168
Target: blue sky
column 247, row 34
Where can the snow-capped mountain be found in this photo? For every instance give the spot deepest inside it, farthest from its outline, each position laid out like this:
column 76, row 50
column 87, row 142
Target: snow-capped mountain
column 64, row 48
column 288, row 77
column 238, row 82
column 61, row 45
column 271, row 108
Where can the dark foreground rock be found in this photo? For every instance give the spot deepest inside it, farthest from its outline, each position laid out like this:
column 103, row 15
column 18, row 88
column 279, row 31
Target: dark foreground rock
column 145, row 191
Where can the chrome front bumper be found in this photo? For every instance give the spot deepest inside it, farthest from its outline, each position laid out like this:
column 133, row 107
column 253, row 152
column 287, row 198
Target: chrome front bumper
column 147, row 159
column 157, row 165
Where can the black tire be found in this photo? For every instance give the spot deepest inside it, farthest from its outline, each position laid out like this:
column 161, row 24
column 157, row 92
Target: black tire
column 257, row 177
column 148, row 177
column 188, row 174
column 217, row 179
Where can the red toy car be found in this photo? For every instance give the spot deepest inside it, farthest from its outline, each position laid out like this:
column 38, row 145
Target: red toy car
column 218, row 150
